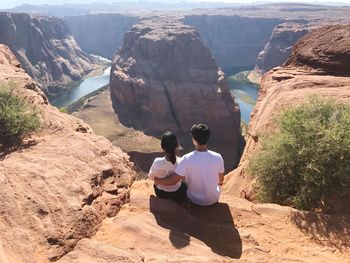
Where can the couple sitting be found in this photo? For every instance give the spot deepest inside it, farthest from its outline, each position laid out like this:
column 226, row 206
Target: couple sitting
column 197, row 175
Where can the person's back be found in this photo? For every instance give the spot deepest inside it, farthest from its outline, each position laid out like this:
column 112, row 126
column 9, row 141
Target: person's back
column 163, row 167
column 202, row 169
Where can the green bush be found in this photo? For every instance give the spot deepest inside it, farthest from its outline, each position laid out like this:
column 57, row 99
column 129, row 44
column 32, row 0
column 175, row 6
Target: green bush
column 17, row 118
column 307, row 160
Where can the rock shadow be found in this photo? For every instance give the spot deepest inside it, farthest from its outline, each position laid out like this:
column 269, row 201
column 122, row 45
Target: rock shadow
column 212, row 225
column 6, row 149
column 333, row 230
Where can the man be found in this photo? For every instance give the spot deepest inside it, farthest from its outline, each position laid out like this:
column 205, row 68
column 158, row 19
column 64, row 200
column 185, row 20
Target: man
column 202, row 169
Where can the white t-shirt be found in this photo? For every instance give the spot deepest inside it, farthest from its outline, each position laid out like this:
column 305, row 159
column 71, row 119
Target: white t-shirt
column 162, row 168
column 201, row 170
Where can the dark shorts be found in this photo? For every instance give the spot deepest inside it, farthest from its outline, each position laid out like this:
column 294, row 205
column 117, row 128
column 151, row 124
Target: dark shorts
column 178, row 196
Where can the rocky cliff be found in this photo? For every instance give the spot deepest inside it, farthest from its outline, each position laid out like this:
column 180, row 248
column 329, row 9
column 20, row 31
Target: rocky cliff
column 164, row 78
column 100, row 34
column 280, row 45
column 46, row 49
column 319, row 64
column 60, row 185
column 235, row 41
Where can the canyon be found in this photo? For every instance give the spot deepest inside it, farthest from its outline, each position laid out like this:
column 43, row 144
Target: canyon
column 318, row 65
column 164, row 78
column 46, row 49
column 69, row 195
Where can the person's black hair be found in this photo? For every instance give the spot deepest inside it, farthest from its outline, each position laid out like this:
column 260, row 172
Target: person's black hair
column 201, row 133
column 169, row 144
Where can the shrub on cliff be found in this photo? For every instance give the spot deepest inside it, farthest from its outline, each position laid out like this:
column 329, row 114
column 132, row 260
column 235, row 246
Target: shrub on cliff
column 17, row 118
column 307, row 160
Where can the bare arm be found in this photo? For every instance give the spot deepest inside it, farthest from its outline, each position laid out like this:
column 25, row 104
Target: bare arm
column 221, row 178
column 170, row 180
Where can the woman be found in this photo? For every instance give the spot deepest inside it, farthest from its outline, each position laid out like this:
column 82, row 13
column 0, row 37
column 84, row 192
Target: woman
column 165, row 166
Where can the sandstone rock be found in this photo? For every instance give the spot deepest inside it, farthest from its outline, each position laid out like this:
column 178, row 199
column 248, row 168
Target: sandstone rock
column 327, row 50
column 164, row 78
column 160, row 230
column 58, row 189
column 312, row 69
column 280, row 45
column 45, row 48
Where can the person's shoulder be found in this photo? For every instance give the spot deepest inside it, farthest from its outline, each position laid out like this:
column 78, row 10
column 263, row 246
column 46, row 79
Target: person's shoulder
column 158, row 161
column 188, row 155
column 215, row 154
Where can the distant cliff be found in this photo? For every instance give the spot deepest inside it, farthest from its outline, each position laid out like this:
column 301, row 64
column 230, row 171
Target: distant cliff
column 319, row 65
column 164, row 78
column 234, row 41
column 59, row 187
column 280, row 45
column 100, row 34
column 46, row 49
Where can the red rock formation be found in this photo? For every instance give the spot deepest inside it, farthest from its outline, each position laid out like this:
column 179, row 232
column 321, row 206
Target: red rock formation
column 46, row 49
column 164, row 78
column 59, row 188
column 313, row 68
column 280, row 45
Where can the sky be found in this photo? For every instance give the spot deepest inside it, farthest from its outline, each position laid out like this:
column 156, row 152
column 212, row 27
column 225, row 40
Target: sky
column 13, row 3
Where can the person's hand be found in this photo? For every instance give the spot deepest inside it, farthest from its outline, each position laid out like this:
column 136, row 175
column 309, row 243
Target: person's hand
column 156, row 182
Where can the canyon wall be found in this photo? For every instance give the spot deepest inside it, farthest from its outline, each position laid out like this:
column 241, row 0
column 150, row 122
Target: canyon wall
column 234, row 41
column 164, row 78
column 100, row 34
column 319, row 65
column 46, row 49
column 280, row 45
column 58, row 187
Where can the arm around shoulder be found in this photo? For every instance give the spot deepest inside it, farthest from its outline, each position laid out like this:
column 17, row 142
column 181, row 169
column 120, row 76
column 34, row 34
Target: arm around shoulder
column 171, row 180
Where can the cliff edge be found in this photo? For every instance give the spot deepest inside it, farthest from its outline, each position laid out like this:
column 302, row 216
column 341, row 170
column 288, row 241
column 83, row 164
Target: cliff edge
column 319, row 65
column 60, row 185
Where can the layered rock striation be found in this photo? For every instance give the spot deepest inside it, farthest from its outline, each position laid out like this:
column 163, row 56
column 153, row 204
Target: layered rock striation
column 58, row 187
column 45, row 48
column 280, row 45
column 164, row 78
column 319, row 65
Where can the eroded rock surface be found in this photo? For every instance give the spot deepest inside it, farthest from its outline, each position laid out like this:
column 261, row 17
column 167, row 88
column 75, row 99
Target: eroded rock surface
column 164, row 78
column 150, row 229
column 60, row 185
column 280, row 45
column 45, row 48
column 319, row 65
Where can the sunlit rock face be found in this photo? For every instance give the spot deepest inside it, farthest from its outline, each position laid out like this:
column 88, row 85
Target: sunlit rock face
column 319, row 65
column 59, row 187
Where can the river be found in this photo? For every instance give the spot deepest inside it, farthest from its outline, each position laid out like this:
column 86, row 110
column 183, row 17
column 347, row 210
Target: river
column 245, row 92
column 85, row 87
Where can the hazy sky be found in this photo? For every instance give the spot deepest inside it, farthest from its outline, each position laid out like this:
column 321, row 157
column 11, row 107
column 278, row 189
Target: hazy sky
column 12, row 3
